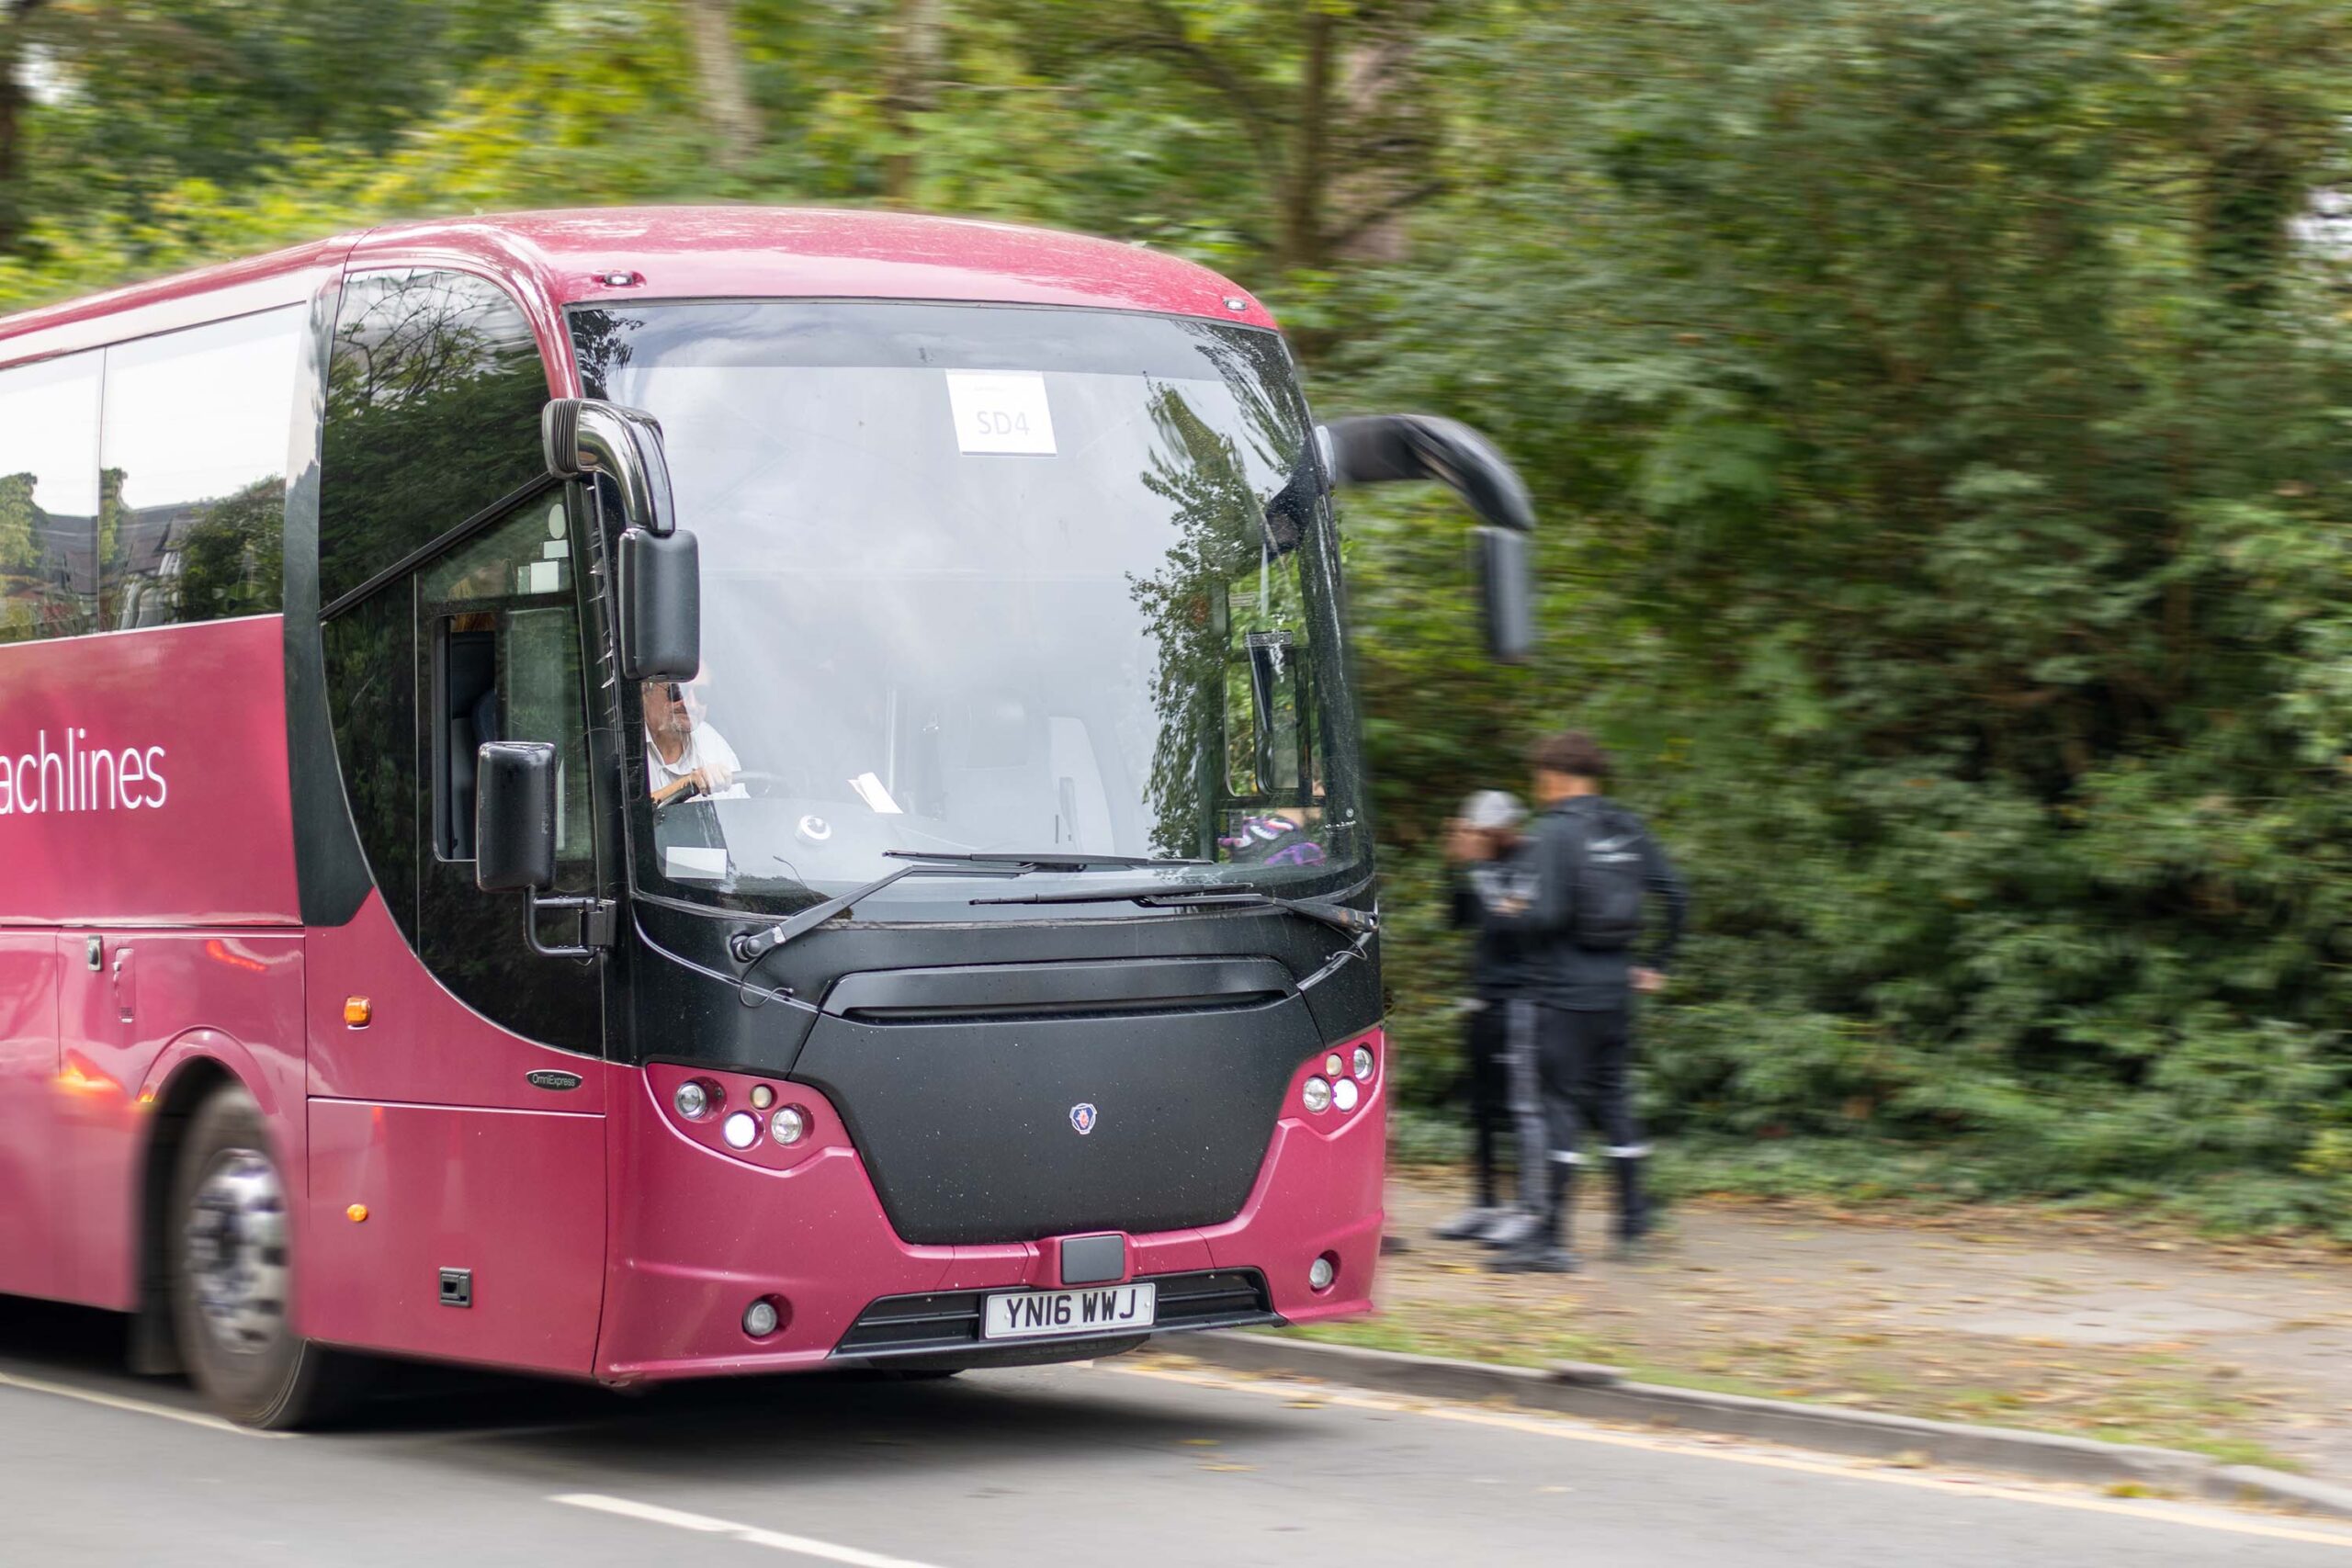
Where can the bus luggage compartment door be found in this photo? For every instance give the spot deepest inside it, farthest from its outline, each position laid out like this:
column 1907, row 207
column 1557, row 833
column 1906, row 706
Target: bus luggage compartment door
column 29, row 1092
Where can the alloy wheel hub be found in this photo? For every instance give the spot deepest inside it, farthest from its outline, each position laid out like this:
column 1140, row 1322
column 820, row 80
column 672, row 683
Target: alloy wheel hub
column 236, row 1251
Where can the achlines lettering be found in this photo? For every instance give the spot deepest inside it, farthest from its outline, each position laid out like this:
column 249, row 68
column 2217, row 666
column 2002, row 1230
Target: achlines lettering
column 81, row 777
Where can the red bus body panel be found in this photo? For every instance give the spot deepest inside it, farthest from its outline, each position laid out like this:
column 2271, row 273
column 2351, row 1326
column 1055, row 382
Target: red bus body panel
column 144, row 940
column 209, row 841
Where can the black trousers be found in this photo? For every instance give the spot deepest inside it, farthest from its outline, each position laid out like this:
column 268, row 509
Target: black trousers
column 1572, row 1074
column 1485, row 1045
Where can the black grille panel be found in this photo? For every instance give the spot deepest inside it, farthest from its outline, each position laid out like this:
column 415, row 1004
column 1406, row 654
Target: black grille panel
column 966, row 1126
column 950, row 1320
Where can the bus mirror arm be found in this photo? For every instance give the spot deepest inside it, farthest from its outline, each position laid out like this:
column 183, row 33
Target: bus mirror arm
column 582, row 436
column 1380, row 448
column 596, row 923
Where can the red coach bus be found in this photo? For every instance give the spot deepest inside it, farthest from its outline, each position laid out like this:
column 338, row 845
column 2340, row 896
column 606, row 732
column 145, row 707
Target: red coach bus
column 636, row 794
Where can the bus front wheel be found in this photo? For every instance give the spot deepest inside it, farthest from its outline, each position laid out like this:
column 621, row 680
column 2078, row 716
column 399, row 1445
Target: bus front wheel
column 231, row 1273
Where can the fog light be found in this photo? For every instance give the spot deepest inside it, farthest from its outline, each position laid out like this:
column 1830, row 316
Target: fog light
column 1320, row 1274
column 1317, row 1095
column 1333, row 1067
column 788, row 1125
column 761, row 1097
column 760, row 1318
column 693, row 1099
column 1364, row 1063
column 1343, row 1094
column 740, row 1130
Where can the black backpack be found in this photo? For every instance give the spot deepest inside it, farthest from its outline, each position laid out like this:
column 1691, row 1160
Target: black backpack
column 1610, row 886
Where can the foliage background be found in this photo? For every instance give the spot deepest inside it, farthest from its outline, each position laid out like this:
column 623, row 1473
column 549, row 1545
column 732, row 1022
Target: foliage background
column 1939, row 414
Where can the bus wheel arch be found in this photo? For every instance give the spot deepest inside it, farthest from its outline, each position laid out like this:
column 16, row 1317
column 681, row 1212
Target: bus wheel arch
column 226, row 1217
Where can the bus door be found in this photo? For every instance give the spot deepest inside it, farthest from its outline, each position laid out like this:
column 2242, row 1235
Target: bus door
column 465, row 1112
column 29, row 1090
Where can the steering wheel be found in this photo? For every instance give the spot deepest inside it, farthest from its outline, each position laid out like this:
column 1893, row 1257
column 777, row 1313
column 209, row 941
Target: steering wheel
column 770, row 784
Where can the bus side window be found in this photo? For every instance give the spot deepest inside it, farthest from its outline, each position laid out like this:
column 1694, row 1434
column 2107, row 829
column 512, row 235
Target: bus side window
column 506, row 666
column 192, row 488
column 49, row 498
column 467, row 711
column 432, row 415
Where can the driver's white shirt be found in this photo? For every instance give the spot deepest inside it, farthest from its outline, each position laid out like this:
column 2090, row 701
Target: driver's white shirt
column 704, row 746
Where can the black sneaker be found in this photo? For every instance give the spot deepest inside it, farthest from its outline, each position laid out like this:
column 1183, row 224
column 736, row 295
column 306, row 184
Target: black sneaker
column 1637, row 1241
column 1534, row 1260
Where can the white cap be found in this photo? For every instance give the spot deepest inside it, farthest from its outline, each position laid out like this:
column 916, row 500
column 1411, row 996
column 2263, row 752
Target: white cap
column 1491, row 811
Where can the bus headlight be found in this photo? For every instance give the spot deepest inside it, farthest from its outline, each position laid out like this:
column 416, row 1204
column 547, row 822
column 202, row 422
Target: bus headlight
column 1317, row 1095
column 1364, row 1064
column 1343, row 1094
column 695, row 1099
column 788, row 1125
column 740, row 1130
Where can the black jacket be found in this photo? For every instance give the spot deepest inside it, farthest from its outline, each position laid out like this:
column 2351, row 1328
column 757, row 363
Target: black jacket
column 1557, row 972
column 1495, row 957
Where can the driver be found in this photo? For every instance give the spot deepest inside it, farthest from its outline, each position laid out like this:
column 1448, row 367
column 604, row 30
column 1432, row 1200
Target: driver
column 684, row 756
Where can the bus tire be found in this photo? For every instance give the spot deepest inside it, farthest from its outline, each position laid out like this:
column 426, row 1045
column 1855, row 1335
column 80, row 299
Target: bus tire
column 227, row 1238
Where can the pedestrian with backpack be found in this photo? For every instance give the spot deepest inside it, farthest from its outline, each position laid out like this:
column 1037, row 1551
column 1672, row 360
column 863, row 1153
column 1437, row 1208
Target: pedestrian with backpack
column 1590, row 868
column 1478, row 846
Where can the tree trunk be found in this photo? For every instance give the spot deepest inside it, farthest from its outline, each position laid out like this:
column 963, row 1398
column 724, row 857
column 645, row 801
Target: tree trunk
column 915, row 56
column 1302, row 241
column 733, row 118
column 1388, row 165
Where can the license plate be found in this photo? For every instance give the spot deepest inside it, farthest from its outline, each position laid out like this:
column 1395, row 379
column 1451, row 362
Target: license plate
column 1033, row 1314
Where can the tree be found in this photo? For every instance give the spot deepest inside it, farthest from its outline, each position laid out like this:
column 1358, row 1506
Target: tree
column 734, row 117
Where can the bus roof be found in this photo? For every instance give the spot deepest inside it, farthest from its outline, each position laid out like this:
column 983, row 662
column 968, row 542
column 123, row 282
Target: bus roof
column 707, row 252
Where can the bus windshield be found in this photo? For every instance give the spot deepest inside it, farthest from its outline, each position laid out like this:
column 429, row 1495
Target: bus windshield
column 986, row 579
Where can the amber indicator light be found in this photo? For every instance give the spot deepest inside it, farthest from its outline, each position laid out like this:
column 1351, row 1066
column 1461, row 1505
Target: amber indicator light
column 357, row 1010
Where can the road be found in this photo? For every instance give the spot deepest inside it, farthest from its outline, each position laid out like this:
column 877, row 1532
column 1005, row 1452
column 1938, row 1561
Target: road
column 1124, row 1463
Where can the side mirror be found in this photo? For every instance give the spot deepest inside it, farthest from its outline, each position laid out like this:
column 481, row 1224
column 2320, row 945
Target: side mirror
column 515, row 817
column 660, row 606
column 1380, row 448
column 588, row 435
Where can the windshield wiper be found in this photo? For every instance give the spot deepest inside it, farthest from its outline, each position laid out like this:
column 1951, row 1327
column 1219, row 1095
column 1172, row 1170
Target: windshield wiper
column 1359, row 923
column 1045, row 860
column 750, row 946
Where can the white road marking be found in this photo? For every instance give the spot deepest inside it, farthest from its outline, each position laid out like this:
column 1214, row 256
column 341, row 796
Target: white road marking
column 136, row 1406
column 1569, row 1429
column 749, row 1535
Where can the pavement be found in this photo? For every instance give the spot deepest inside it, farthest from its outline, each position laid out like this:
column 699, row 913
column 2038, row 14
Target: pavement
column 2071, row 1324
column 1136, row 1460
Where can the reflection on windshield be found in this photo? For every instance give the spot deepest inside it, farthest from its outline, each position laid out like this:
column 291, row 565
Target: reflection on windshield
column 985, row 580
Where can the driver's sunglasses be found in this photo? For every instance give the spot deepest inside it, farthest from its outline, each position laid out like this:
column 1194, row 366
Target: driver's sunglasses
column 674, row 692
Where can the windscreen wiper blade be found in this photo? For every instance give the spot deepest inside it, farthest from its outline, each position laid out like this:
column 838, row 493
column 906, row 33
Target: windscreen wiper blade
column 1339, row 917
column 750, row 946
column 1045, row 860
